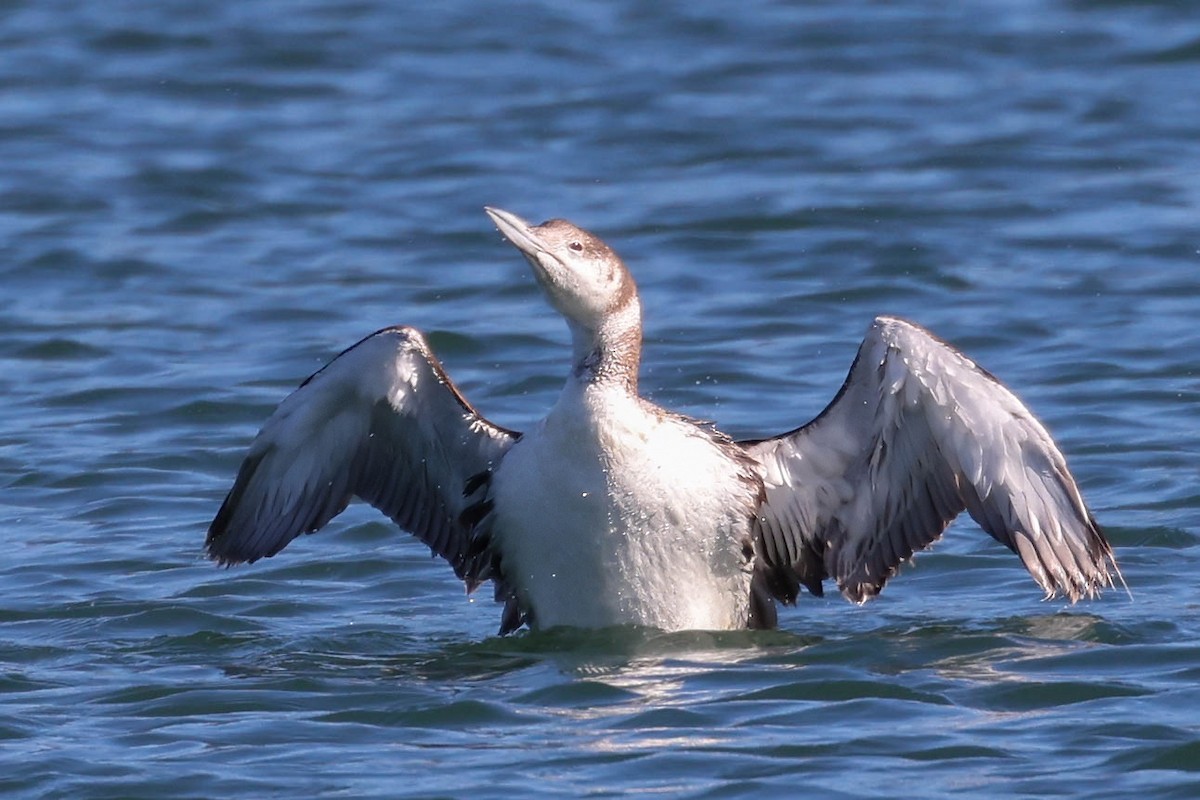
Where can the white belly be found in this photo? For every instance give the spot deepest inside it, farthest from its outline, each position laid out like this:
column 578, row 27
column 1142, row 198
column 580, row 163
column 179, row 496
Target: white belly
column 608, row 515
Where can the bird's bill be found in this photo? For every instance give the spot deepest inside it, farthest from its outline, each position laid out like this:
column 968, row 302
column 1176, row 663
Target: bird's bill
column 519, row 232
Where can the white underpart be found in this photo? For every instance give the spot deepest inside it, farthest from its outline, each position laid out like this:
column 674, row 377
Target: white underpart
column 607, row 514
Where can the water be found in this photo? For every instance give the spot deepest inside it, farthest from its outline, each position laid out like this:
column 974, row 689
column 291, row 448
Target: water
column 201, row 203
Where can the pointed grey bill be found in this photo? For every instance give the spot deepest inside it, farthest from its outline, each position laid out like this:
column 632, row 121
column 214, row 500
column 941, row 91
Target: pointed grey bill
column 518, row 231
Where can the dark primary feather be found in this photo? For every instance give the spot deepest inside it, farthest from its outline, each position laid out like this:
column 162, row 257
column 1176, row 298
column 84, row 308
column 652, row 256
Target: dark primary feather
column 381, row 422
column 917, row 434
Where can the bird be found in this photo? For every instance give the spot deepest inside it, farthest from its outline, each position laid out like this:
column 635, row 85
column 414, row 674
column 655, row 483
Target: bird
column 612, row 510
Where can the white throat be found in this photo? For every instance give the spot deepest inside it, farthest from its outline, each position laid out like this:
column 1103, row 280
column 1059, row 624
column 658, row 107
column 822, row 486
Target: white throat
column 612, row 352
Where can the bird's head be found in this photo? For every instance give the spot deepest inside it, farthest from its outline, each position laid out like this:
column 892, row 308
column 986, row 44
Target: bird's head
column 582, row 277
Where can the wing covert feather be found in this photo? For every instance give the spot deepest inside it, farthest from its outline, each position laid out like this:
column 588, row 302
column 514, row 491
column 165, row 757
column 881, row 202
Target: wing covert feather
column 917, row 434
column 382, row 422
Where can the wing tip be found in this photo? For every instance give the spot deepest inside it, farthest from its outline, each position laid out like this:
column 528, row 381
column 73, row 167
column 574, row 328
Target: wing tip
column 1087, row 579
column 217, row 540
column 219, row 545
column 220, row 548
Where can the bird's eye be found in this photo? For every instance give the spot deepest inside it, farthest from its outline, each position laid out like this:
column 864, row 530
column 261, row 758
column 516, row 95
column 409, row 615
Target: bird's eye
column 576, row 246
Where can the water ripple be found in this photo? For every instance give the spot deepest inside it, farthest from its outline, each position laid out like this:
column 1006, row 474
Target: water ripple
column 204, row 203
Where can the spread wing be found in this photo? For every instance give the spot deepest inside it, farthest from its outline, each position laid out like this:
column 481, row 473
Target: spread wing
column 382, row 422
column 917, row 434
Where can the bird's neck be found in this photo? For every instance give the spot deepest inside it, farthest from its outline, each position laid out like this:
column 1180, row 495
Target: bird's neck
column 611, row 354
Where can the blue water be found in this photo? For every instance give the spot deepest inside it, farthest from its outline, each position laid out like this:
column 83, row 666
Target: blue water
column 202, row 203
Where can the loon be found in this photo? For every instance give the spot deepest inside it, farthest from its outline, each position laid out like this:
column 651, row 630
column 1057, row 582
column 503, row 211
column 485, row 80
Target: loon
column 614, row 511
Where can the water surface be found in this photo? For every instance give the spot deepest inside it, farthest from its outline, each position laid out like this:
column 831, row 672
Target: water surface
column 201, row 204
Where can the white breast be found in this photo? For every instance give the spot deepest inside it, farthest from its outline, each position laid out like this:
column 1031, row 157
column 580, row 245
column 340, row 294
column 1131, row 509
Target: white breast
column 607, row 514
